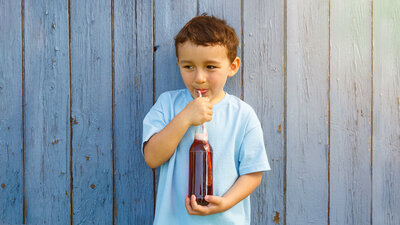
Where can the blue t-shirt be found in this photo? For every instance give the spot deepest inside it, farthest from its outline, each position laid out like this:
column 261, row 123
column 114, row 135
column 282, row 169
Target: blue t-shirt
column 236, row 138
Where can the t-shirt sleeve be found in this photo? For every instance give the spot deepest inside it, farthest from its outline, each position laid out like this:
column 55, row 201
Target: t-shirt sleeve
column 154, row 121
column 252, row 156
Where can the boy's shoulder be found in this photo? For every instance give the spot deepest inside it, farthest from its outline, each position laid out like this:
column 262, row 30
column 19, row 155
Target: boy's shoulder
column 173, row 95
column 239, row 104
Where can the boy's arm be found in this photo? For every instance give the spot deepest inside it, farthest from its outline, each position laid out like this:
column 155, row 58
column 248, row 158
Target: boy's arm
column 160, row 147
column 242, row 188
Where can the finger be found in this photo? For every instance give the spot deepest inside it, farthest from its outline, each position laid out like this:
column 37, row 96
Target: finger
column 213, row 199
column 193, row 202
column 188, row 206
column 198, row 209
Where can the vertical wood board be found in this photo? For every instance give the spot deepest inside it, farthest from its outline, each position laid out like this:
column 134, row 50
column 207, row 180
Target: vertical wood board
column 11, row 170
column 47, row 134
column 92, row 112
column 263, row 90
column 133, row 91
column 170, row 17
column 307, row 112
column 386, row 113
column 350, row 170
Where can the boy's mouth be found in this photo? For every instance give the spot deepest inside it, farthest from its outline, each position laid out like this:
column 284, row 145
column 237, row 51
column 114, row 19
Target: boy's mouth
column 202, row 91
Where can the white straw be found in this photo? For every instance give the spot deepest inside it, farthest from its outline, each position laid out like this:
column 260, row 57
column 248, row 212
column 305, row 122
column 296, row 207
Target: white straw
column 204, row 127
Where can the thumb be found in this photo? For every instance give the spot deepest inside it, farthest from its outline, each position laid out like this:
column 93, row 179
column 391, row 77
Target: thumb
column 213, row 199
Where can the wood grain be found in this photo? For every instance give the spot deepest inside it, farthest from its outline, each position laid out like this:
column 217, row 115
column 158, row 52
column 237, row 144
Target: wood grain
column 386, row 113
column 47, row 136
column 307, row 112
column 133, row 91
column 323, row 77
column 92, row 112
column 170, row 17
column 263, row 86
column 11, row 169
column 350, row 161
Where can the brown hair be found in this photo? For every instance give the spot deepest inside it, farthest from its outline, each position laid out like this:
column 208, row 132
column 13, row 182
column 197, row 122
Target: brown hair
column 208, row 31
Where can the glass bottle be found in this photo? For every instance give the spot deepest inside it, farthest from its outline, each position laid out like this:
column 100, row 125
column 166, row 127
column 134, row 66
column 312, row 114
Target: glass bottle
column 200, row 167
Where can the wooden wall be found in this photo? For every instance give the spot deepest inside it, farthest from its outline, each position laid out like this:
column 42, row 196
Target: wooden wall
column 78, row 77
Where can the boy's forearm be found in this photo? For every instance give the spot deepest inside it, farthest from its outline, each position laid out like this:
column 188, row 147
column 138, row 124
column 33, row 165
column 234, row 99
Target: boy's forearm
column 242, row 188
column 160, row 147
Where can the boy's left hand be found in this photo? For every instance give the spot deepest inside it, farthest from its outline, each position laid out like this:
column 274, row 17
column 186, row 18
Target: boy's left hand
column 216, row 205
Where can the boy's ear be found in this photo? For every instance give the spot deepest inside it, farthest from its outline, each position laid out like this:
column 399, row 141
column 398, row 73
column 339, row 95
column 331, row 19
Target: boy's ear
column 235, row 65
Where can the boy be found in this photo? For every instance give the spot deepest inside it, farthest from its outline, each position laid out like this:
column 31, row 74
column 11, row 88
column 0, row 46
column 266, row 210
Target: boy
column 206, row 54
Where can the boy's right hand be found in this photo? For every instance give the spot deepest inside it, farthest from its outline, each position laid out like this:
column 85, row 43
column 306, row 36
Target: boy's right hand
column 198, row 111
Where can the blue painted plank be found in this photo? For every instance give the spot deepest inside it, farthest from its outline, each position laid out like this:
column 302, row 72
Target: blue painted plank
column 170, row 17
column 386, row 113
column 133, row 56
column 350, row 107
column 230, row 11
column 47, row 134
column 92, row 112
column 11, row 170
column 263, row 81
column 307, row 187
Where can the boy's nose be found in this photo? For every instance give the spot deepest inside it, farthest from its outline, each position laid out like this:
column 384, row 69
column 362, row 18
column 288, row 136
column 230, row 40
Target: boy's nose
column 200, row 77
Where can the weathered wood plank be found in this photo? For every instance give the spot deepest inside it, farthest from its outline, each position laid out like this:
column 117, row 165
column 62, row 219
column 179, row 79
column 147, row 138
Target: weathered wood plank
column 386, row 113
column 307, row 112
column 92, row 112
column 263, row 89
column 47, row 133
column 170, row 17
column 133, row 51
column 350, row 166
column 230, row 11
column 11, row 170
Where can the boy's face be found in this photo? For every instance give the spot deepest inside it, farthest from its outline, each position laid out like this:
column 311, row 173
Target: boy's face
column 205, row 69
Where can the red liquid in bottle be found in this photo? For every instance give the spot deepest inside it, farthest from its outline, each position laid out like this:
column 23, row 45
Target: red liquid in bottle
column 200, row 170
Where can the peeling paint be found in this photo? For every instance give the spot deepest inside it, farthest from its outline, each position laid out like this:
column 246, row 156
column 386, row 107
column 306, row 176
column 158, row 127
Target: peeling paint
column 92, row 186
column 276, row 218
column 55, row 142
column 398, row 102
column 280, row 128
column 3, row 185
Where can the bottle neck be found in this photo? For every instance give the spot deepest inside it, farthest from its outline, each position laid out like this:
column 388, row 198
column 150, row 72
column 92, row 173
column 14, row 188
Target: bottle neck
column 201, row 133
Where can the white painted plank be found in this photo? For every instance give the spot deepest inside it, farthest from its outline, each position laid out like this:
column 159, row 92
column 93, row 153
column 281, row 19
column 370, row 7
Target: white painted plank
column 307, row 112
column 263, row 68
column 350, row 169
column 386, row 113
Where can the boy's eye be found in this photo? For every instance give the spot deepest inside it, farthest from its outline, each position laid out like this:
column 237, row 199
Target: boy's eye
column 188, row 67
column 211, row 67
